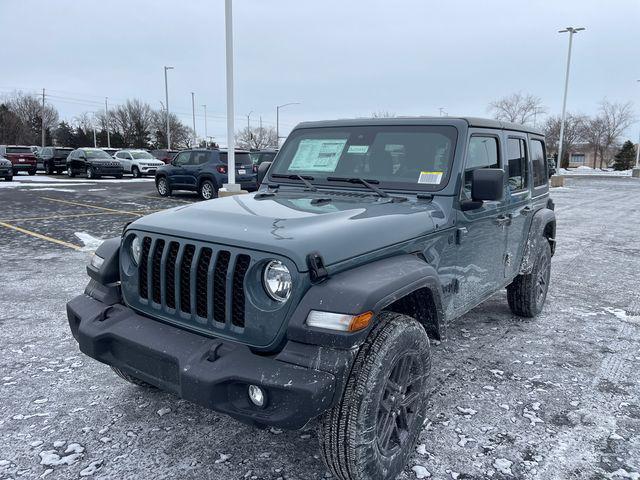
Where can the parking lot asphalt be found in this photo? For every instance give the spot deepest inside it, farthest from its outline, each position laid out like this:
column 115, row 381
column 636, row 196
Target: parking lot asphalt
column 555, row 397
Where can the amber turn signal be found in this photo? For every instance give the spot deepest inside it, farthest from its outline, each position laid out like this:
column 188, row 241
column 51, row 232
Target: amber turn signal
column 360, row 321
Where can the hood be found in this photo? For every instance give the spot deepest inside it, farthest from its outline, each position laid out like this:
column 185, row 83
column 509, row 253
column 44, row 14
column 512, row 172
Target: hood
column 339, row 227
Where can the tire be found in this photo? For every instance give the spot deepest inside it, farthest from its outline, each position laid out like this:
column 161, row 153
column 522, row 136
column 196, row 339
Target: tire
column 59, row 172
column 8, row 178
column 351, row 433
column 527, row 293
column 118, row 176
column 91, row 173
column 163, row 187
column 70, row 172
column 32, row 172
column 131, row 379
column 135, row 171
column 208, row 190
column 48, row 168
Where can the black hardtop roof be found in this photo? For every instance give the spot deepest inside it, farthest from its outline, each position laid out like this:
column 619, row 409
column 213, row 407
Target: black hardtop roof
column 455, row 121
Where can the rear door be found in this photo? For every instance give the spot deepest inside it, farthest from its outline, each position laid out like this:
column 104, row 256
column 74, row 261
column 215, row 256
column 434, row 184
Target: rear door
column 481, row 232
column 518, row 199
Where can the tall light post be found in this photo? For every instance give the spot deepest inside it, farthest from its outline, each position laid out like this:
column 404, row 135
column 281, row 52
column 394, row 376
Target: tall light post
column 166, row 99
column 249, row 121
column 278, row 107
column 230, row 187
column 636, row 170
column 205, row 124
column 572, row 31
column 193, row 112
column 106, row 120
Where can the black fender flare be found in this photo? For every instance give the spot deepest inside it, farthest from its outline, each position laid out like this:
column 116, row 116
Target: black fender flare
column 211, row 178
column 542, row 229
column 371, row 287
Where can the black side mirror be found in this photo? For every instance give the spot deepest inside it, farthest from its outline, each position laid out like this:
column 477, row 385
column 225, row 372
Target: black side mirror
column 487, row 184
column 263, row 168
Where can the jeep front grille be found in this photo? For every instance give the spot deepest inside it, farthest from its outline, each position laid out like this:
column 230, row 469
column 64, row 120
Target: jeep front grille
column 199, row 282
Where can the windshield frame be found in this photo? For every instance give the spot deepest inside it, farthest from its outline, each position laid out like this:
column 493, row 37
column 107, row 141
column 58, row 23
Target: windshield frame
column 88, row 154
column 449, row 130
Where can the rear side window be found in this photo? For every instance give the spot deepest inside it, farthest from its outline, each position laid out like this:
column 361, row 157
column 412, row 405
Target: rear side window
column 199, row 158
column 239, row 158
column 482, row 153
column 538, row 163
column 518, row 164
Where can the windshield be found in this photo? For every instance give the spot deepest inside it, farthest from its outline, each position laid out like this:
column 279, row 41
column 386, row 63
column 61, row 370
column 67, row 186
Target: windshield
column 19, row 150
column 405, row 157
column 141, row 155
column 240, row 158
column 97, row 154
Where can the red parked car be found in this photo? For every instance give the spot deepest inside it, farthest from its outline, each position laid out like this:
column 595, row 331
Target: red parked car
column 165, row 155
column 22, row 158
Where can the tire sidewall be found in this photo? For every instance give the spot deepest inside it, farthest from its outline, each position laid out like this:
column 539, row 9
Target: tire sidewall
column 135, row 171
column 167, row 190
column 544, row 254
column 209, row 184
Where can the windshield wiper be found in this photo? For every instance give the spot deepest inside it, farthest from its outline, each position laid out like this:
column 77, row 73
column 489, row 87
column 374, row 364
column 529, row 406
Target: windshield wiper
column 362, row 181
column 295, row 176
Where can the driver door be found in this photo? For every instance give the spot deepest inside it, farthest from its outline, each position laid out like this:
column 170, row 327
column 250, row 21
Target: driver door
column 481, row 232
column 177, row 178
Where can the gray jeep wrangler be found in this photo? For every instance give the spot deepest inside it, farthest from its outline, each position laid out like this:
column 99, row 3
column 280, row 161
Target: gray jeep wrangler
column 315, row 297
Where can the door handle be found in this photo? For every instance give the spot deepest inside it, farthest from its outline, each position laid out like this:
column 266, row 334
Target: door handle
column 526, row 210
column 503, row 219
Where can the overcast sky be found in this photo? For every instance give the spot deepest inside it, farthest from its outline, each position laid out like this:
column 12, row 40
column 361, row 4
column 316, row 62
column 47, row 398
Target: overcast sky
column 337, row 58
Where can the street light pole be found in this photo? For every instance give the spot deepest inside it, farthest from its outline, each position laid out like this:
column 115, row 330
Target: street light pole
column 278, row 107
column 249, row 122
column 106, row 120
column 205, row 124
column 572, row 31
column 42, row 115
column 166, row 99
column 230, row 187
column 193, row 112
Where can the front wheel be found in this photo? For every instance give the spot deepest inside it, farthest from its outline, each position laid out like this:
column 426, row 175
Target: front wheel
column 162, row 185
column 70, row 172
column 527, row 293
column 135, row 171
column 91, row 173
column 372, row 431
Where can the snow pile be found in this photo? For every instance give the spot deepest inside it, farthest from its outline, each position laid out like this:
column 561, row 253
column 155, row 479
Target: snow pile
column 584, row 170
column 420, row 471
column 91, row 243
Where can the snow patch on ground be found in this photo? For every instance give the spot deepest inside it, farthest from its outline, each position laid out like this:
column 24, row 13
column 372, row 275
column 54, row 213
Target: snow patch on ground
column 584, row 170
column 91, row 243
column 420, row 471
column 622, row 315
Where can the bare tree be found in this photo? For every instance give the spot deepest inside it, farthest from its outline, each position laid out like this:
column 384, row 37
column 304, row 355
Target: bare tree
column 181, row 135
column 28, row 109
column 383, row 114
column 134, row 120
column 593, row 135
column 517, row 108
column 573, row 135
column 257, row 138
column 616, row 118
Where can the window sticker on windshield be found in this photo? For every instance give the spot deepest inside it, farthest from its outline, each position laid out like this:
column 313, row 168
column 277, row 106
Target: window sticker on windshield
column 358, row 149
column 318, row 155
column 430, row 178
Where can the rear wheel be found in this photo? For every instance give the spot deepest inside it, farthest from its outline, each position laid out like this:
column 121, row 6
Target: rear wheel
column 527, row 293
column 162, row 185
column 131, row 379
column 208, row 190
column 33, row 171
column 48, row 168
column 372, row 431
column 135, row 171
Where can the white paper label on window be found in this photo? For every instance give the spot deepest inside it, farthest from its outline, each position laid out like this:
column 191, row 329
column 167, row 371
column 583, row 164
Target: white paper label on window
column 318, row 155
column 430, row 178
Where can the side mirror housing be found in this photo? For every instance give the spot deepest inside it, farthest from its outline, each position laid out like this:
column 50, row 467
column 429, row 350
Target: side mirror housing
column 487, row 184
column 263, row 168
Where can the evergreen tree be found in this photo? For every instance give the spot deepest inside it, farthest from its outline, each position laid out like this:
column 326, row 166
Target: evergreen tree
column 626, row 157
column 63, row 135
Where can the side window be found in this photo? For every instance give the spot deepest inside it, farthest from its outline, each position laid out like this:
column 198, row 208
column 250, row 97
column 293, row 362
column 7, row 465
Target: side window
column 200, row 158
column 538, row 164
column 182, row 158
column 482, row 153
column 119, row 155
column 518, row 164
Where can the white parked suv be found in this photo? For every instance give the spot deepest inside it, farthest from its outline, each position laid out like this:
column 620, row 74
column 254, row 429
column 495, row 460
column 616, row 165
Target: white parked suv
column 138, row 162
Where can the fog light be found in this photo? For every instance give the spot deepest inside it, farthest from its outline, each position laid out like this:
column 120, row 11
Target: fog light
column 257, row 396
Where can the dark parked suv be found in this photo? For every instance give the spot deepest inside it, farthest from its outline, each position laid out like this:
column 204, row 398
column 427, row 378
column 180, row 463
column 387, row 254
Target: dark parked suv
column 6, row 169
column 204, row 171
column 94, row 162
column 21, row 157
column 54, row 159
column 315, row 297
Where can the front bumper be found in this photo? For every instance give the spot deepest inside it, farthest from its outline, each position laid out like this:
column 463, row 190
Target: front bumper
column 24, row 167
column 149, row 170
column 6, row 171
column 302, row 381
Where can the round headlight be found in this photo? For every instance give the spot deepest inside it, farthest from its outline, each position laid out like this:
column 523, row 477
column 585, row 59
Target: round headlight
column 136, row 249
column 277, row 280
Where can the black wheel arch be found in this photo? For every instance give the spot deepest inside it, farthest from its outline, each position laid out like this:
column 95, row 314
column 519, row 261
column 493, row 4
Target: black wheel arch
column 541, row 231
column 209, row 177
column 403, row 284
